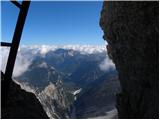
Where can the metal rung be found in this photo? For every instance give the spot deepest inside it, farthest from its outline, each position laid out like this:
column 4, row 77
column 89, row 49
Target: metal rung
column 16, row 3
column 6, row 44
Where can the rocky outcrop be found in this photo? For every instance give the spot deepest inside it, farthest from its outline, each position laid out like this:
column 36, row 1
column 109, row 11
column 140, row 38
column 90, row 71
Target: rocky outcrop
column 20, row 104
column 132, row 32
column 53, row 100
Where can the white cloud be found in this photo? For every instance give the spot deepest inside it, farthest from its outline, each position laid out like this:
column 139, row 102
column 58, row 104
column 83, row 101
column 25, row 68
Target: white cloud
column 4, row 52
column 22, row 63
column 106, row 64
column 45, row 49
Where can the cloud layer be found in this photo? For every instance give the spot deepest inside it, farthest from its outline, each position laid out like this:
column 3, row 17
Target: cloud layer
column 27, row 53
column 84, row 49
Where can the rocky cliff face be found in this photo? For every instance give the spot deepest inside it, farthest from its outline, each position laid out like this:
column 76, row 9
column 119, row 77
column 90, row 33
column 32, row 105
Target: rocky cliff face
column 20, row 104
column 132, row 30
column 53, row 100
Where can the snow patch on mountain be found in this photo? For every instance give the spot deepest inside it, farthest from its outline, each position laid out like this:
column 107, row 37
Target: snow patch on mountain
column 77, row 91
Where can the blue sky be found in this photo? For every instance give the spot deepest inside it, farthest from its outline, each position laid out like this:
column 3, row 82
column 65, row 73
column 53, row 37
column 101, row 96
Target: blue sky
column 55, row 23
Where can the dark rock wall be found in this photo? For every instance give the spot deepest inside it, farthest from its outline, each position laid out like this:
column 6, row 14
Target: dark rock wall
column 132, row 32
column 20, row 104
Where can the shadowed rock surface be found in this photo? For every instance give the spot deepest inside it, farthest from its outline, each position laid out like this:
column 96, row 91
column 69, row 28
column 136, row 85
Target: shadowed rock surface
column 20, row 104
column 132, row 32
